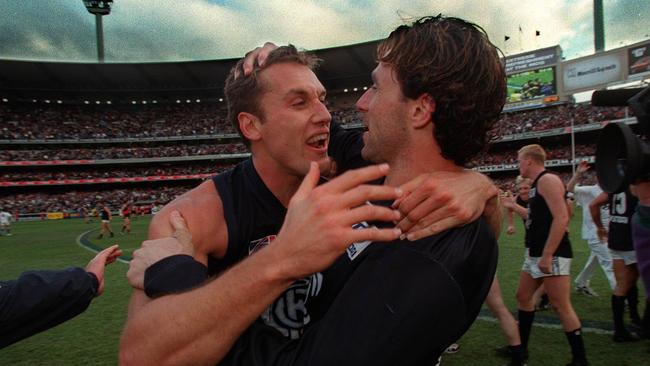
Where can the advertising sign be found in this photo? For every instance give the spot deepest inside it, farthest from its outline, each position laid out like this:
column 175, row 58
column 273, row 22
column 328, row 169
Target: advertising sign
column 591, row 72
column 639, row 59
column 532, row 60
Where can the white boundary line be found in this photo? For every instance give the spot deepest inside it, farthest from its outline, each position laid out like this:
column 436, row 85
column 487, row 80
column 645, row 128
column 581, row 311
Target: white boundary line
column 480, row 317
column 92, row 249
column 553, row 326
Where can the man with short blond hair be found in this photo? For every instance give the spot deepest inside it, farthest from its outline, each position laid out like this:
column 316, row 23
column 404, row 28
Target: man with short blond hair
column 549, row 254
column 533, row 151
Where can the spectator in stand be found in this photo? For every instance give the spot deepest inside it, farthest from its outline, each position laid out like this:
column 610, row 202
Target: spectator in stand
column 555, row 117
column 100, row 152
column 58, row 173
column 23, row 121
column 32, row 203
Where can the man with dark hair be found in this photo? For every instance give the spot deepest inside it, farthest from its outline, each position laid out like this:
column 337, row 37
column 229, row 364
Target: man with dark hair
column 450, row 272
column 548, row 257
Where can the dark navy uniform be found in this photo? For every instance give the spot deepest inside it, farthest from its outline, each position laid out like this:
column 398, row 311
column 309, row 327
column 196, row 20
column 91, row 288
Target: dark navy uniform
column 539, row 223
column 381, row 304
column 621, row 210
column 39, row 300
column 254, row 216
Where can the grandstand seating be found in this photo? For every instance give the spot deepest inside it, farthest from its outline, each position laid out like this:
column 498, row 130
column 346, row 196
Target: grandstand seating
column 124, row 137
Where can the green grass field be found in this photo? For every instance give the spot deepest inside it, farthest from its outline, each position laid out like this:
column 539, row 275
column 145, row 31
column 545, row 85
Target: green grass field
column 92, row 337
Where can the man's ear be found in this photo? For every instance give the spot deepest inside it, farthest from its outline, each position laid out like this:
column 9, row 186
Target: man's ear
column 249, row 125
column 422, row 111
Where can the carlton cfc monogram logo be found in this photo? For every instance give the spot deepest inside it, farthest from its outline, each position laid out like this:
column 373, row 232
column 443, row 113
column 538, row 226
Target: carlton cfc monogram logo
column 288, row 313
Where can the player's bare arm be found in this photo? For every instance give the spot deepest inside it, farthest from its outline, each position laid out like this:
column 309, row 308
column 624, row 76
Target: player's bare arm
column 202, row 211
column 594, row 209
column 163, row 332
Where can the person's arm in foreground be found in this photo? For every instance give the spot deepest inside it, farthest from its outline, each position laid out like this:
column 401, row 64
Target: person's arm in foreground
column 199, row 326
column 594, row 209
column 39, row 300
column 552, row 189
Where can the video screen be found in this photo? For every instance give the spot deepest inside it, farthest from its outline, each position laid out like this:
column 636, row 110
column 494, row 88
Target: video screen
column 532, row 84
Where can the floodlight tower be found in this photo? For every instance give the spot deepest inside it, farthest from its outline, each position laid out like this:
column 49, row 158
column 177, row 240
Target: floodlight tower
column 599, row 26
column 99, row 8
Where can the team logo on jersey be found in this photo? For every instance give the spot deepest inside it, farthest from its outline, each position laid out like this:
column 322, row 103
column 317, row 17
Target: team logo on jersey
column 288, row 313
column 258, row 244
column 355, row 249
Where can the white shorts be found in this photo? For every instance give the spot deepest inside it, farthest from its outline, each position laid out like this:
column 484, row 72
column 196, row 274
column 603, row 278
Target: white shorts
column 627, row 256
column 560, row 266
column 106, row 221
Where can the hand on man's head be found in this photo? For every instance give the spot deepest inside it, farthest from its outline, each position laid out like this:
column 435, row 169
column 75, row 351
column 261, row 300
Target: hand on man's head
column 256, row 57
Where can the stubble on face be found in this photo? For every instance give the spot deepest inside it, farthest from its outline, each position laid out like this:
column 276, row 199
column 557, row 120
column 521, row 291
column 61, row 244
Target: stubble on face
column 294, row 115
column 383, row 109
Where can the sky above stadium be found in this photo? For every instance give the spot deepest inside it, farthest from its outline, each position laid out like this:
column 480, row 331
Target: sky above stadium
column 180, row 30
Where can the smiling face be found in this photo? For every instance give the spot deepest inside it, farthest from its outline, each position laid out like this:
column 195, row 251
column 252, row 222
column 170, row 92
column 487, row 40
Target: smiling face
column 383, row 107
column 293, row 128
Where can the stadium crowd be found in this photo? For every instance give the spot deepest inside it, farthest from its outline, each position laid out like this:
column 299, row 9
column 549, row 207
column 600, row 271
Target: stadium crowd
column 121, row 152
column 554, row 117
column 553, row 153
column 113, row 172
column 75, row 201
column 100, row 122
column 93, row 121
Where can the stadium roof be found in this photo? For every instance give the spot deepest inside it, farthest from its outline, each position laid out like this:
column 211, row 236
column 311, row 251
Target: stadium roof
column 343, row 67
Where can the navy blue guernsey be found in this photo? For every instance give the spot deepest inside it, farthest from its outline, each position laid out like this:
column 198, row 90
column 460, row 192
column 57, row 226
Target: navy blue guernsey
column 539, row 223
column 254, row 216
column 621, row 209
column 468, row 254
